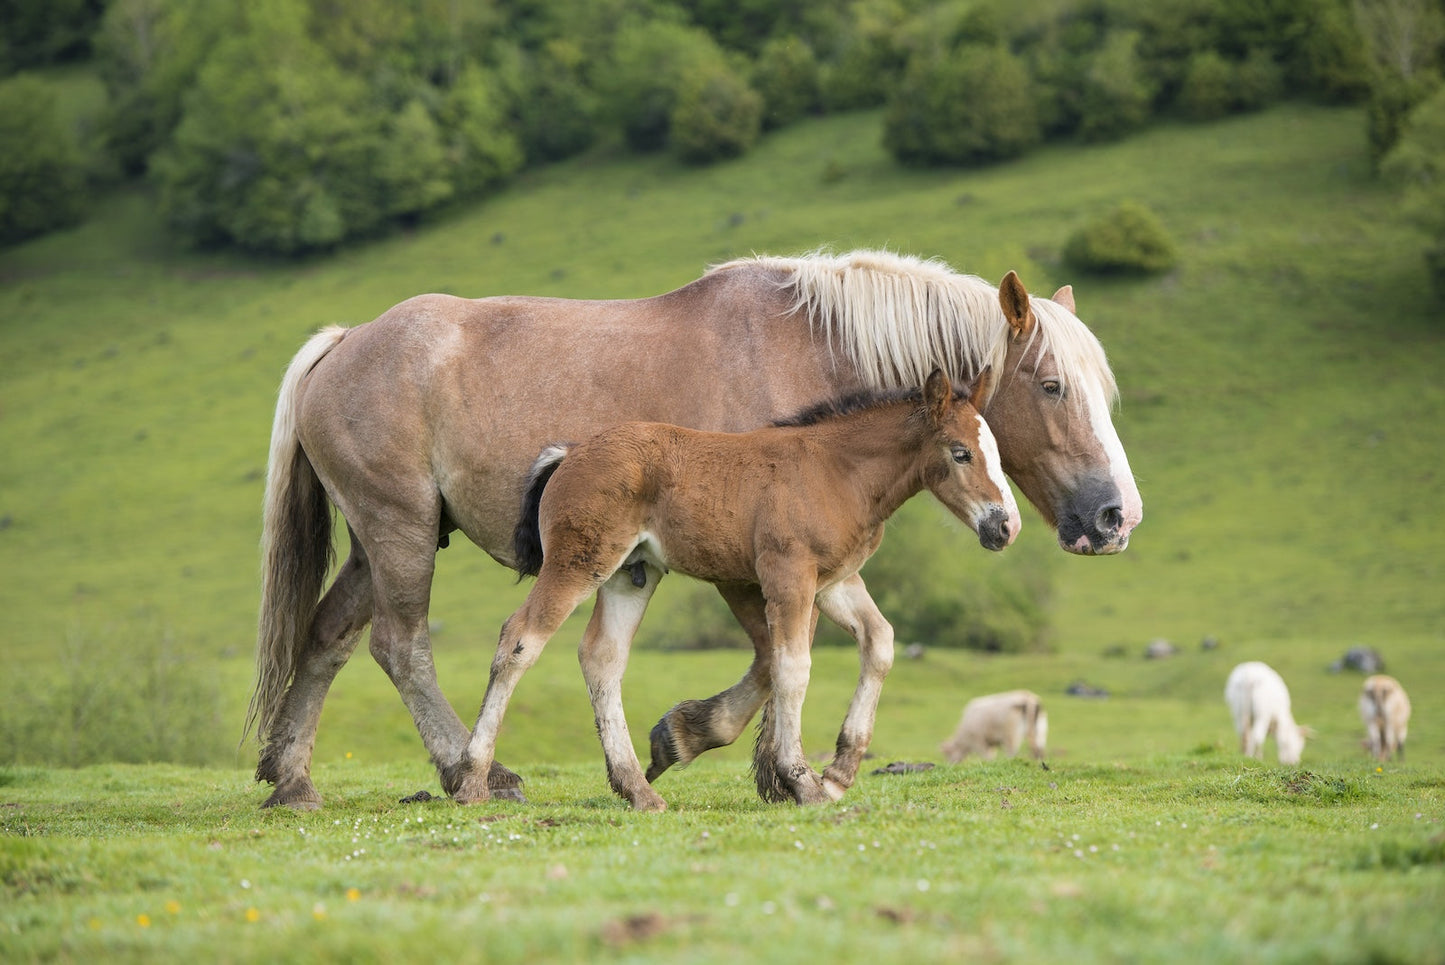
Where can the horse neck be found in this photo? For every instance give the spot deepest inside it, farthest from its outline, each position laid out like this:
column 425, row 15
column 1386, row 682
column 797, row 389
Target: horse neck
column 881, row 451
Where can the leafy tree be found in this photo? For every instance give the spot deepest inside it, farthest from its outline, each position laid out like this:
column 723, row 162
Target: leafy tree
column 649, row 60
column 42, row 173
column 716, row 115
column 1403, row 39
column 1116, row 96
column 1417, row 163
column 973, row 105
column 1126, row 240
column 786, row 75
column 34, row 33
column 1208, row 88
column 865, row 58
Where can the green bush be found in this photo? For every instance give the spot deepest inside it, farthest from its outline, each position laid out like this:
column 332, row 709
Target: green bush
column 42, row 172
column 1417, row 165
column 646, row 70
column 786, row 76
column 716, row 115
column 1127, row 240
column 1116, row 97
column 1207, row 90
column 974, row 105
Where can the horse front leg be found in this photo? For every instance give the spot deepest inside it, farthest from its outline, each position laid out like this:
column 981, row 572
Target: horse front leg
column 603, row 655
column 695, row 726
column 849, row 606
column 780, row 766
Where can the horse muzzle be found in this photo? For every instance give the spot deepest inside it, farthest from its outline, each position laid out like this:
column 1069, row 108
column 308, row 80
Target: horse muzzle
column 1095, row 522
column 997, row 529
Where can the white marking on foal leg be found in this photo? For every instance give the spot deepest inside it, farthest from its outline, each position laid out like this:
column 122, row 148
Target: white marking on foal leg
column 603, row 655
column 849, row 606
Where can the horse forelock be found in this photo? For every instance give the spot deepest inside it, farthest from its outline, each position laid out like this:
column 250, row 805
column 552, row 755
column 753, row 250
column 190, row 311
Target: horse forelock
column 897, row 317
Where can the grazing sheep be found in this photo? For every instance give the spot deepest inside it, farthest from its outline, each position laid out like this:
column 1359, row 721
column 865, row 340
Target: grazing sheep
column 1385, row 709
column 999, row 720
column 1259, row 701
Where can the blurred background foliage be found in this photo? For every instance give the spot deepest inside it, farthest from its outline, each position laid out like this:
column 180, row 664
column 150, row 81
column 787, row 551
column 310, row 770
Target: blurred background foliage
column 283, row 126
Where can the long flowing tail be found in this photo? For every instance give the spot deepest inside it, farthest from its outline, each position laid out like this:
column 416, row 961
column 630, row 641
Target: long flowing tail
column 295, row 545
column 527, row 537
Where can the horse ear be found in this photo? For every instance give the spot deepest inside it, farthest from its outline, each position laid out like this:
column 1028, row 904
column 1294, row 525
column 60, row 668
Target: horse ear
column 938, row 395
column 1013, row 298
column 982, row 389
column 1065, row 297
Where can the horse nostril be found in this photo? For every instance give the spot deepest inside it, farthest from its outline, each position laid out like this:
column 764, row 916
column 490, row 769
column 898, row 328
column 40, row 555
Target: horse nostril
column 1003, row 532
column 1109, row 519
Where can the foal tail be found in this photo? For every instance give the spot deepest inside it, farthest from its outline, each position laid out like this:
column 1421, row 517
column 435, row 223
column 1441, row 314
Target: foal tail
column 295, row 545
column 527, row 537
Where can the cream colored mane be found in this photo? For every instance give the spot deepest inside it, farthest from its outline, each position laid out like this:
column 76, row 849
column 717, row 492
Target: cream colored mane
column 899, row 316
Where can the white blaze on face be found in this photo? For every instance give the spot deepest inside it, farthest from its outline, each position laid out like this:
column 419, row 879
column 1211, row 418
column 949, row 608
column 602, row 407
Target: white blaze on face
column 1108, row 438
column 989, row 445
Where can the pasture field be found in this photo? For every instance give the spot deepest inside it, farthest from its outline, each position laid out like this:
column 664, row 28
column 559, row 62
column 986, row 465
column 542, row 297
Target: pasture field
column 1184, row 857
column 1282, row 408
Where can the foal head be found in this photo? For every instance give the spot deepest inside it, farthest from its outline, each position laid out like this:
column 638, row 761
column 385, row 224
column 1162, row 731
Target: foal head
column 964, row 470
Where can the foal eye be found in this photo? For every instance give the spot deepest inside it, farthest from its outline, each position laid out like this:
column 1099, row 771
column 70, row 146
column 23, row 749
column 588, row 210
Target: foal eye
column 962, row 454
column 1053, row 387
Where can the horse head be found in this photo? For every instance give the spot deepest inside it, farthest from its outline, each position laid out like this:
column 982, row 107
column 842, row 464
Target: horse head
column 1050, row 414
column 969, row 478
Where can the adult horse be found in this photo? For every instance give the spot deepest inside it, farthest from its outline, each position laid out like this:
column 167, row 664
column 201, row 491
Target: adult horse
column 426, row 421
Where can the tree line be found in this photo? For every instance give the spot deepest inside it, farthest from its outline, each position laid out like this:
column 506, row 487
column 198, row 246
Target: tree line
column 294, row 125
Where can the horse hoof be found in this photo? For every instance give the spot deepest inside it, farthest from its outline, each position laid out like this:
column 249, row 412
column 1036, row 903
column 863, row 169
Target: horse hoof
column 833, row 789
column 650, row 803
column 664, row 754
column 508, row 794
column 300, row 796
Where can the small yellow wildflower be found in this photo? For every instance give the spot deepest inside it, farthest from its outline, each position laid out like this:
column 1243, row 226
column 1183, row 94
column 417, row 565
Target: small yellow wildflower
column 353, row 894
column 173, row 906
column 143, row 920
column 252, row 915
column 318, row 911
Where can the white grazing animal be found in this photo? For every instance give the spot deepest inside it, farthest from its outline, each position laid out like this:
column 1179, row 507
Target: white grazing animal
column 999, row 720
column 1385, row 709
column 1259, row 701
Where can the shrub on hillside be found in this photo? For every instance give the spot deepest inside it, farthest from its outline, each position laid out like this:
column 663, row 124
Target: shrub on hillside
column 1206, row 91
column 1116, row 96
column 786, row 76
column 716, row 115
column 972, row 105
column 649, row 61
column 1126, row 240
column 42, row 172
column 1417, row 164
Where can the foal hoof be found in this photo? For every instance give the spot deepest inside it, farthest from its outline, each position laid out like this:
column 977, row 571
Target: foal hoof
column 664, row 753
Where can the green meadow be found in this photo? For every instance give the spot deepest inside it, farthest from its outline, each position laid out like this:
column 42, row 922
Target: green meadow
column 1282, row 410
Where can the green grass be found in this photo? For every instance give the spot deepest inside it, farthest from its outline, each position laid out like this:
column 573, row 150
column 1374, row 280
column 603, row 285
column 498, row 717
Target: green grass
column 1281, row 408
column 1183, row 857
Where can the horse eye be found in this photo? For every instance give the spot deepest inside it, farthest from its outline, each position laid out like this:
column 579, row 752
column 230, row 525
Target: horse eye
column 1053, row 387
column 961, row 454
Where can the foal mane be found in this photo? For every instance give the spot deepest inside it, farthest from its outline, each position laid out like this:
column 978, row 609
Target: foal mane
column 847, row 404
column 897, row 317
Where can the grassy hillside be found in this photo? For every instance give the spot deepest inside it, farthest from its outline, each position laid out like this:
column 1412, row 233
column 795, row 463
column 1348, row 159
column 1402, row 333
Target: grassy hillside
column 1281, row 407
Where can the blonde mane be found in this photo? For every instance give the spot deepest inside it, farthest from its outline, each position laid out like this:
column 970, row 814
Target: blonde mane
column 896, row 317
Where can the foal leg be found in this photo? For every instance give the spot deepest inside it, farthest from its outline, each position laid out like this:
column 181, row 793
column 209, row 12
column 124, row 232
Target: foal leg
column 848, row 604
column 344, row 611
column 781, row 769
column 603, row 655
column 553, row 598
column 695, row 726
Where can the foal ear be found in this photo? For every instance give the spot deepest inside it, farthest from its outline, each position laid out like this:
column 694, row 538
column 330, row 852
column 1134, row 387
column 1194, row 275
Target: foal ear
column 1065, row 297
column 938, row 395
column 982, row 389
column 1013, row 298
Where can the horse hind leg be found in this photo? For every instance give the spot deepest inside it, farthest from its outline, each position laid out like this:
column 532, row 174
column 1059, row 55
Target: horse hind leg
column 344, row 611
column 695, row 726
column 621, row 603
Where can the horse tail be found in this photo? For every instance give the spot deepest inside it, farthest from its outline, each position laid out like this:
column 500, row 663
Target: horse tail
column 527, row 537
column 295, row 544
